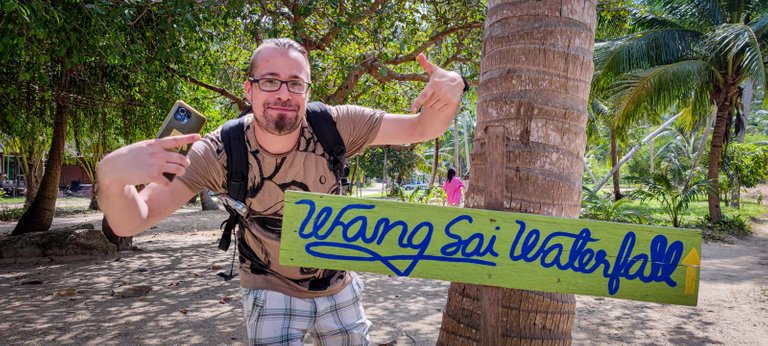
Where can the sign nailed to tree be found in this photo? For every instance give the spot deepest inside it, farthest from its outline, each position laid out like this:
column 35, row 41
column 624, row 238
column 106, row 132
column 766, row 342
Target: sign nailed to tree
column 523, row 251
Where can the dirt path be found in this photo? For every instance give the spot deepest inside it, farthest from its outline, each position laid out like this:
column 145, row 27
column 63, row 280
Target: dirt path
column 190, row 304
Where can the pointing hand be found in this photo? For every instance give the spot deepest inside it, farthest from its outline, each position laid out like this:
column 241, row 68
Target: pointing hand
column 443, row 90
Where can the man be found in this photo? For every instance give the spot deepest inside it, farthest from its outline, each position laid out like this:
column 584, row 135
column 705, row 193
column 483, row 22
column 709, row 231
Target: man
column 280, row 303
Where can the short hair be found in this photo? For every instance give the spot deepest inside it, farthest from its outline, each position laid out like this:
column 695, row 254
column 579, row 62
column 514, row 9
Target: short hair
column 281, row 43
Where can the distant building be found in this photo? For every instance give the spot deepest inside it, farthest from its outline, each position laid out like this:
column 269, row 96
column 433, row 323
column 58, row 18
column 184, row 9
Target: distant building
column 10, row 171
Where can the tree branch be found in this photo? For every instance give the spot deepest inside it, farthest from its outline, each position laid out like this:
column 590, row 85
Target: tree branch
column 632, row 152
column 385, row 74
column 331, row 35
column 221, row 91
column 139, row 16
column 353, row 76
column 432, row 40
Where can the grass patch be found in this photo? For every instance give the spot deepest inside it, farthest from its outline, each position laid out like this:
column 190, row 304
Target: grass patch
column 734, row 224
column 700, row 209
column 14, row 214
column 11, row 200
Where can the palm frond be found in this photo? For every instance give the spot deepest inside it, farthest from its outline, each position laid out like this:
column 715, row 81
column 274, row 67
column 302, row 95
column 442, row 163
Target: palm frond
column 643, row 20
column 692, row 13
column 695, row 192
column 701, row 107
column 695, row 114
column 738, row 43
column 650, row 93
column 642, row 51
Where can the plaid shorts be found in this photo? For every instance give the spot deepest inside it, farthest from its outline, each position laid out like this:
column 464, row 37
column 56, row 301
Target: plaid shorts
column 273, row 318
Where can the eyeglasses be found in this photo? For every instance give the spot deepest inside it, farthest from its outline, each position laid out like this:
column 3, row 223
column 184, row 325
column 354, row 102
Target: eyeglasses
column 296, row 86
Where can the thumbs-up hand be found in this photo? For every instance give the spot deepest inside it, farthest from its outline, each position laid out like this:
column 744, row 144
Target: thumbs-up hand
column 442, row 92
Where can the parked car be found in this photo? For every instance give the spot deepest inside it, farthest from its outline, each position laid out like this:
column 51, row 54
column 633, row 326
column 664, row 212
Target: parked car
column 413, row 186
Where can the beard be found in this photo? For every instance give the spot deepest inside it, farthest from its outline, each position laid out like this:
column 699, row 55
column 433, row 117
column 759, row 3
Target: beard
column 278, row 122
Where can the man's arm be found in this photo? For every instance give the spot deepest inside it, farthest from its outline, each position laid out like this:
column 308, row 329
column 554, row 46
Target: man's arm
column 130, row 212
column 438, row 102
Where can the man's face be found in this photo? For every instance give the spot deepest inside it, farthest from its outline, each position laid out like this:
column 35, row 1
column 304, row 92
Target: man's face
column 278, row 112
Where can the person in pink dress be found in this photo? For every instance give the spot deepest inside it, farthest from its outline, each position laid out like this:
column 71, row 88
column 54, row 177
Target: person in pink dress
column 452, row 187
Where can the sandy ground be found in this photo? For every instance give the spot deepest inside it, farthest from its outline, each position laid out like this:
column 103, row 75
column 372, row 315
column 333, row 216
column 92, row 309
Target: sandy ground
column 69, row 302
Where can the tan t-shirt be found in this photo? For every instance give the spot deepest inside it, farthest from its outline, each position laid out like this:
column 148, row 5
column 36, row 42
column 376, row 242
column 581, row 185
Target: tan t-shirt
column 305, row 168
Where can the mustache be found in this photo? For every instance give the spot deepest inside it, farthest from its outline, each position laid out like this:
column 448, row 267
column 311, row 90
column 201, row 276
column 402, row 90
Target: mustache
column 284, row 104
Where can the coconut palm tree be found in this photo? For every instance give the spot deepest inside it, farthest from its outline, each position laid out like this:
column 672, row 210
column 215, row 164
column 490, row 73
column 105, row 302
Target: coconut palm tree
column 530, row 138
column 687, row 53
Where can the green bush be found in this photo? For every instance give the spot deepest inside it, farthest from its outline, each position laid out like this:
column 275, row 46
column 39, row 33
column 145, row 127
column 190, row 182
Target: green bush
column 597, row 207
column 11, row 214
column 430, row 195
column 729, row 227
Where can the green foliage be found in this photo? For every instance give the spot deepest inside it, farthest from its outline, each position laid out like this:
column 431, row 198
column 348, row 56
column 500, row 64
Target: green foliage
column 639, row 165
column 430, row 195
column 400, row 163
column 683, row 55
column 674, row 197
column 597, row 207
column 726, row 229
column 612, row 19
column 758, row 123
column 748, row 162
column 125, row 63
column 10, row 214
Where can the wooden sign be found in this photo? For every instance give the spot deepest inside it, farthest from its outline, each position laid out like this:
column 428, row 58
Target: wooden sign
column 524, row 251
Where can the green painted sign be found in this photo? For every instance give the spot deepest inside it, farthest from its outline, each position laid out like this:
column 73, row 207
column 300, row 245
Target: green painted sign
column 524, row 251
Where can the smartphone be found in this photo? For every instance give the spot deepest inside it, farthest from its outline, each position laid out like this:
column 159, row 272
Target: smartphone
column 181, row 120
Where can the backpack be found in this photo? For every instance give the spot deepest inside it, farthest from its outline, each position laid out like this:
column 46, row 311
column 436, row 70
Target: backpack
column 322, row 124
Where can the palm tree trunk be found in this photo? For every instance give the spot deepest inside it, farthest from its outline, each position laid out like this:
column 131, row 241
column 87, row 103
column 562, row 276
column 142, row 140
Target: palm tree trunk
column 651, row 154
column 614, row 161
column 435, row 163
column 384, row 178
column 716, row 150
column 466, row 143
column 456, row 152
column 39, row 216
column 530, row 139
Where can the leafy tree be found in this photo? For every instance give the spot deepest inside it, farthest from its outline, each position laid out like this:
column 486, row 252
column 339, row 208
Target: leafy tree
column 746, row 162
column 60, row 63
column 126, row 62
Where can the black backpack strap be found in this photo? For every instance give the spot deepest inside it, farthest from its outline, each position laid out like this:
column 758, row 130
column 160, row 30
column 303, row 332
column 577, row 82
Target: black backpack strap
column 233, row 139
column 320, row 119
